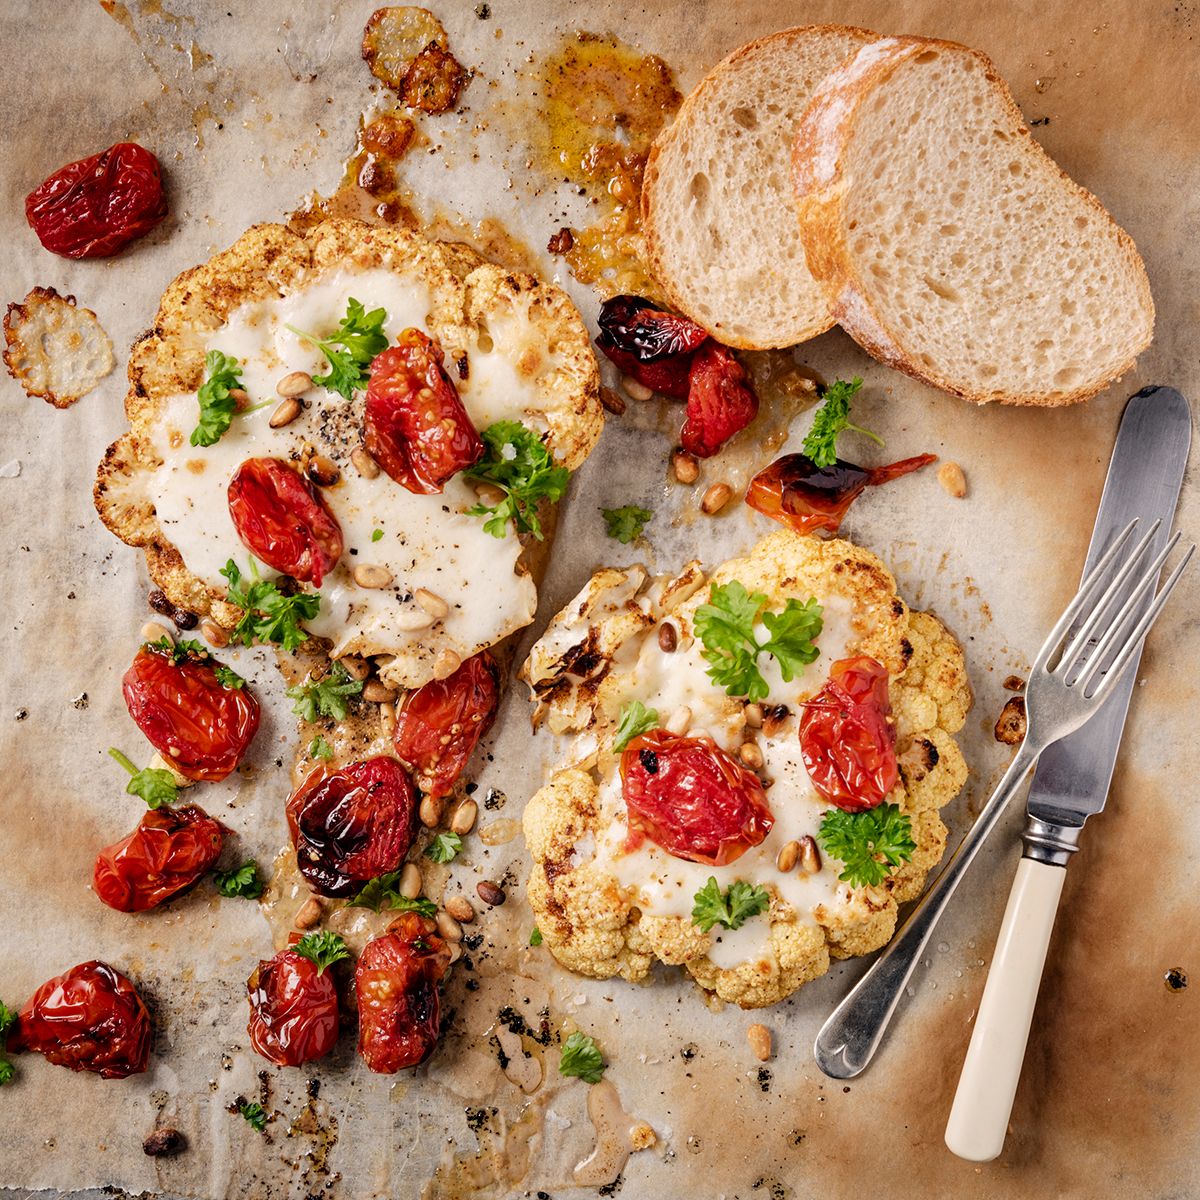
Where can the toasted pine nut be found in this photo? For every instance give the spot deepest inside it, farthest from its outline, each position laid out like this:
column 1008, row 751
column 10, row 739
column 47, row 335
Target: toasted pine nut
column 355, row 666
column 488, row 494
column 214, row 634
column 679, row 720
column 364, row 464
column 685, row 466
column 412, row 620
column 954, row 482
column 464, row 818
column 611, row 401
column 754, row 715
column 387, row 719
column 322, row 470
column 715, row 498
column 309, row 914
column 286, row 411
column 448, row 927
column 461, row 909
column 432, row 603
column 774, row 716
column 296, row 383
column 446, row 663
column 635, row 390
column 240, row 398
column 751, row 755
column 759, row 1037
column 165, row 764
column 668, row 639
column 369, row 576
column 788, row 856
column 152, row 631
column 430, row 812
column 810, row 856
column 375, row 692
column 489, row 893
column 455, row 952
column 410, row 881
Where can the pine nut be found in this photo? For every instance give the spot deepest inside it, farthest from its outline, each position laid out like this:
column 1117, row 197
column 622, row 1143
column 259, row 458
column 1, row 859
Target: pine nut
column 788, row 856
column 754, row 715
column 611, row 401
column 685, row 466
column 432, row 603
column 294, row 384
column 375, row 692
column 774, row 716
column 412, row 620
column 759, row 1037
column 286, row 411
column 489, row 893
column 364, row 464
column 751, row 755
column 954, row 482
column 448, row 927
column 461, row 909
column 488, row 494
column 387, row 719
column 322, row 470
column 715, row 498
column 635, row 390
column 680, row 719
column 214, row 635
column 410, row 881
column 464, row 818
column 309, row 914
column 368, row 576
column 430, row 812
column 668, row 639
column 152, row 631
column 355, row 666
column 455, row 952
column 240, row 398
column 446, row 663
column 810, row 856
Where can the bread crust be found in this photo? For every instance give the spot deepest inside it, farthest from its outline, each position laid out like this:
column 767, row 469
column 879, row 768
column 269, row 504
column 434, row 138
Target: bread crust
column 822, row 138
column 655, row 258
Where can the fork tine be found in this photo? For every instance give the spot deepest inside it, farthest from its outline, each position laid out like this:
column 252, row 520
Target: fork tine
column 1124, row 616
column 1149, row 617
column 1072, row 653
column 1055, row 636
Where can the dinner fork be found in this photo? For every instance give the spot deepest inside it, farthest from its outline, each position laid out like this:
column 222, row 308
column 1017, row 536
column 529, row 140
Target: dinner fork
column 1084, row 656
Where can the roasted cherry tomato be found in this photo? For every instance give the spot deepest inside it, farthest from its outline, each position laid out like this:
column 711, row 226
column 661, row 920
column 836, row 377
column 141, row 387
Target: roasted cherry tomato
column 796, row 492
column 415, row 425
column 396, row 983
column 93, row 207
column 719, row 403
column 283, row 520
column 441, row 723
column 192, row 719
column 293, row 1009
column 165, row 855
column 691, row 798
column 350, row 824
column 650, row 345
column 89, row 1019
column 846, row 739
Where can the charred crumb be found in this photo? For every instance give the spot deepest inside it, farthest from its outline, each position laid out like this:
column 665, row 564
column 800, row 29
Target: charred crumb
column 1176, row 979
column 164, row 1142
column 796, row 1137
column 773, row 1187
column 479, row 1118
column 1040, row 121
column 611, row 1189
column 80, row 701
column 313, row 1088
column 1011, row 724
column 495, row 799
column 763, row 1075
column 471, row 788
column 472, row 941
column 1013, row 683
column 472, row 985
column 22, row 714
column 688, row 1052
column 484, row 12
column 560, row 242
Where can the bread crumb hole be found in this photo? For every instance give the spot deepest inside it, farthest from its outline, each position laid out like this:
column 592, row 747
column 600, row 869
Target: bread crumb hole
column 927, row 56
column 699, row 189
column 747, row 118
column 1066, row 376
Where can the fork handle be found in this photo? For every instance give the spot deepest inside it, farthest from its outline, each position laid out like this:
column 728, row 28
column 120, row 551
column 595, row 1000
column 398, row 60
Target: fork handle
column 984, row 1099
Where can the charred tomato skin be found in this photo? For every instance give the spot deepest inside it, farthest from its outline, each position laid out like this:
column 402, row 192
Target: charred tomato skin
column 283, row 520
column 692, row 799
column 396, row 985
column 720, row 402
column 201, row 727
column 351, row 823
column 651, row 345
column 293, row 1009
column 90, row 1018
column 94, row 207
column 847, row 741
column 415, row 425
column 459, row 708
column 168, row 852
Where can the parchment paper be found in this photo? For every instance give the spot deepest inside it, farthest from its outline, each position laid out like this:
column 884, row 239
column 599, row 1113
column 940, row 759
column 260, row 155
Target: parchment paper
column 250, row 106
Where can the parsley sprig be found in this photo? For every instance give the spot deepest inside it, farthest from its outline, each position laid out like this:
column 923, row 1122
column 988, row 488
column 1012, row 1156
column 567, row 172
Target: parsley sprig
column 324, row 948
column 320, row 748
column 324, row 697
column 241, row 883
column 868, row 843
column 155, row 785
column 625, row 524
column 636, row 719
column 178, row 652
column 732, row 908
column 516, row 462
column 268, row 615
column 580, row 1057
column 445, row 847
column 350, row 349
column 725, row 625
column 832, row 419
column 383, row 892
column 8, row 1019
column 222, row 374
column 255, row 1115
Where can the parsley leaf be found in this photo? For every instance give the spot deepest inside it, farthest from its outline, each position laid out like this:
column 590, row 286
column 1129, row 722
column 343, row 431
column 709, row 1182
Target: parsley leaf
column 832, row 419
column 324, row 948
column 227, row 677
column 268, row 615
column 8, row 1019
column 155, row 785
column 636, row 719
column 625, row 524
column 217, row 407
column 360, row 337
column 177, row 652
column 242, row 882
column 732, row 908
column 725, row 625
column 444, row 847
column 382, row 892
column 535, row 938
column 581, row 1057
column 867, row 843
column 255, row 1114
column 376, row 535
column 324, row 697
column 320, row 748
column 516, row 462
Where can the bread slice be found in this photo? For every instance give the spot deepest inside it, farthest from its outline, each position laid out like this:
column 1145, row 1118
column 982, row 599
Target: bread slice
column 952, row 246
column 717, row 201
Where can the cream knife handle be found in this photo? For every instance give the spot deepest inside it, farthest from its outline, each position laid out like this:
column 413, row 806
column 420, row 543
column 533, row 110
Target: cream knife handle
column 988, row 1083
